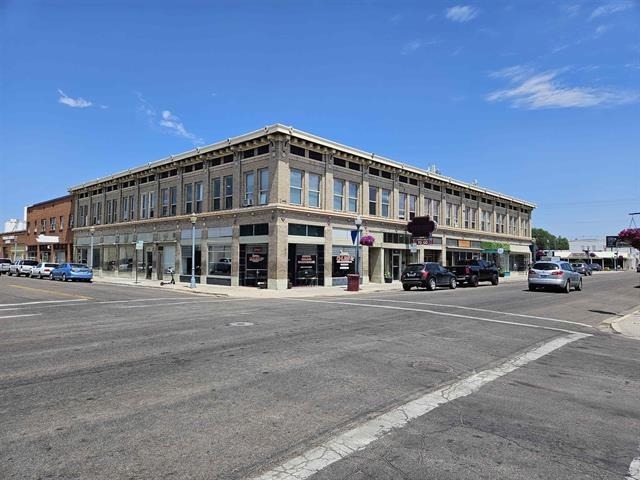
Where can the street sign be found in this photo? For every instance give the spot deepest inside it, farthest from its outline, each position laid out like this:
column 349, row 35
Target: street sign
column 140, row 245
column 423, row 241
column 500, row 251
column 612, row 241
column 413, row 247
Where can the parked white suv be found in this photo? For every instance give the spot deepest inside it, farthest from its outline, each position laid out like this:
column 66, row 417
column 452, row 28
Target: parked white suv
column 22, row 267
column 5, row 263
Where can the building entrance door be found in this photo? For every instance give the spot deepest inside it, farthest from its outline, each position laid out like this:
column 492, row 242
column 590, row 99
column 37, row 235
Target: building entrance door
column 149, row 264
column 160, row 262
column 396, row 268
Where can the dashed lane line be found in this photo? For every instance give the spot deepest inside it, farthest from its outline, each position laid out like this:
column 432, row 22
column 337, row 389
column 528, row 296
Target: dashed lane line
column 20, row 315
column 341, row 446
column 446, row 314
column 52, row 292
column 634, row 469
column 522, row 315
column 26, row 304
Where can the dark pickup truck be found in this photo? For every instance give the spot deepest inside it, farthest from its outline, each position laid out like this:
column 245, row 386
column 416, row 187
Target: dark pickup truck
column 470, row 272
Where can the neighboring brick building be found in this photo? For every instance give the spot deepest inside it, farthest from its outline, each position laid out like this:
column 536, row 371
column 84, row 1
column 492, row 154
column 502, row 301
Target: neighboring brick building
column 49, row 230
column 13, row 245
column 279, row 204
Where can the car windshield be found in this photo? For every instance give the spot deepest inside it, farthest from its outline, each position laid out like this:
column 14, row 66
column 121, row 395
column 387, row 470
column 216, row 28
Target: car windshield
column 545, row 266
column 30, row 262
column 51, row 265
column 77, row 265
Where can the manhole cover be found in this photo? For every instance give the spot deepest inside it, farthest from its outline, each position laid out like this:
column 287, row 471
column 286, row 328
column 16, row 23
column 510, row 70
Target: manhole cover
column 240, row 324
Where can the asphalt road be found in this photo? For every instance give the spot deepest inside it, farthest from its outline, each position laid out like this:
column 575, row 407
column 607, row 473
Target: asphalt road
column 112, row 382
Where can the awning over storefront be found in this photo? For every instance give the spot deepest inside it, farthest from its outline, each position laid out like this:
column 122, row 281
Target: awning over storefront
column 519, row 248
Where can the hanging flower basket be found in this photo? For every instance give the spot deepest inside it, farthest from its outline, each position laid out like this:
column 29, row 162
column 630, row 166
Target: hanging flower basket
column 367, row 240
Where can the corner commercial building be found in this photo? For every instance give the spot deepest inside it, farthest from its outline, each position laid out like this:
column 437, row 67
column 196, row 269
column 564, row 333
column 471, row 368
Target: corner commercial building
column 278, row 205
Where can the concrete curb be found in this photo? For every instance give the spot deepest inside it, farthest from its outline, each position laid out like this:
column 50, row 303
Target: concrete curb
column 628, row 325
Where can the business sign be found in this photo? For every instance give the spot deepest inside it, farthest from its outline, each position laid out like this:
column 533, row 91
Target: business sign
column 140, row 245
column 464, row 243
column 255, row 258
column 423, row 240
column 612, row 241
column 306, row 259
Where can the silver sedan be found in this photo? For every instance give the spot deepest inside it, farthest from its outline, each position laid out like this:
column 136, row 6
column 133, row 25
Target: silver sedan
column 554, row 274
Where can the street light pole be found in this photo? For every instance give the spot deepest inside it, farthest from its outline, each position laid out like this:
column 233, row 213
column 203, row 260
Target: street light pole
column 193, row 220
column 358, row 223
column 92, row 231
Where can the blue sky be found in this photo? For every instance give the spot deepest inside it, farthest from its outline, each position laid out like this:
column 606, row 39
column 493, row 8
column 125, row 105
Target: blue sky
column 538, row 100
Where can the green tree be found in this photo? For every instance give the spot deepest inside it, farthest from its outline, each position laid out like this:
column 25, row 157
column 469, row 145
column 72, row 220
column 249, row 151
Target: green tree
column 545, row 240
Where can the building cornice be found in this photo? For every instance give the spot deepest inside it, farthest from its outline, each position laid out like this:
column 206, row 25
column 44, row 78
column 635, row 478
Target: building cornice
column 278, row 128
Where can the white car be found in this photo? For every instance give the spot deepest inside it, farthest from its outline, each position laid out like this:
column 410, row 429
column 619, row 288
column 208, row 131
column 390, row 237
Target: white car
column 22, row 267
column 42, row 270
column 5, row 263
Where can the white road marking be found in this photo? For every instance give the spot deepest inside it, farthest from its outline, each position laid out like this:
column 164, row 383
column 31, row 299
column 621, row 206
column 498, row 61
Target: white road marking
column 344, row 444
column 457, row 315
column 486, row 311
column 143, row 300
column 191, row 302
column 23, row 315
column 41, row 302
column 634, row 469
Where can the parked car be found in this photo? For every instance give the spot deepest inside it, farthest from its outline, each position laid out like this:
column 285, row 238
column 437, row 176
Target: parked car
column 428, row 275
column 470, row 272
column 5, row 263
column 581, row 268
column 42, row 270
column 554, row 274
column 595, row 267
column 22, row 267
column 72, row 271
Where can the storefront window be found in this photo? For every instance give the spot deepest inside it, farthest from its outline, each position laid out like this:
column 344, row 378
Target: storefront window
column 169, row 259
column 219, row 260
column 343, row 261
column 110, row 259
column 187, row 260
column 126, row 258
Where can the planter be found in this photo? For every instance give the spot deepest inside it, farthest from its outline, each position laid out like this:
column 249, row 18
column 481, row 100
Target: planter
column 388, row 279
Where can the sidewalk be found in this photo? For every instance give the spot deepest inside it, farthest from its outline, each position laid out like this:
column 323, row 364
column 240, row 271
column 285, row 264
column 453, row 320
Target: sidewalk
column 252, row 292
column 629, row 325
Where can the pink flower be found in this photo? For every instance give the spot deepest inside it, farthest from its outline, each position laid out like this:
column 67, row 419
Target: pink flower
column 367, row 240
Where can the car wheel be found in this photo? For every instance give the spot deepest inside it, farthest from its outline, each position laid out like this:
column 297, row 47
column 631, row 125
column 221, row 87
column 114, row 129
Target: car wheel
column 431, row 284
column 453, row 283
column 64, row 277
column 474, row 281
column 51, row 277
column 532, row 288
column 578, row 287
column 406, row 287
column 40, row 276
column 567, row 287
column 495, row 280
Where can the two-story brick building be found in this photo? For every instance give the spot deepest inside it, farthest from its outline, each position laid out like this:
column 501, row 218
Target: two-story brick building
column 280, row 204
column 49, row 235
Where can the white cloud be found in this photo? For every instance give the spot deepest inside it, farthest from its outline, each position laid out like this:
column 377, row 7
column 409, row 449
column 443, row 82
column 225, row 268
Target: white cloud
column 411, row 47
column 168, row 121
column 611, row 7
column 601, row 30
column 173, row 123
column 571, row 9
column 461, row 13
column 535, row 91
column 73, row 102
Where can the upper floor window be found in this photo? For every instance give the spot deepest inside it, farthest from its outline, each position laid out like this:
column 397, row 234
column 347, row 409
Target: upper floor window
column 412, row 206
column 314, row 190
column 373, row 200
column 228, row 191
column 295, row 187
column 402, row 205
column 263, row 186
column 385, row 202
column 188, row 198
column 216, row 194
column 249, row 185
column 143, row 205
column 470, row 217
column 485, row 221
column 164, row 202
column 199, row 196
column 353, row 196
column 52, row 223
column 432, row 208
column 452, row 213
column 338, row 194
column 173, row 200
